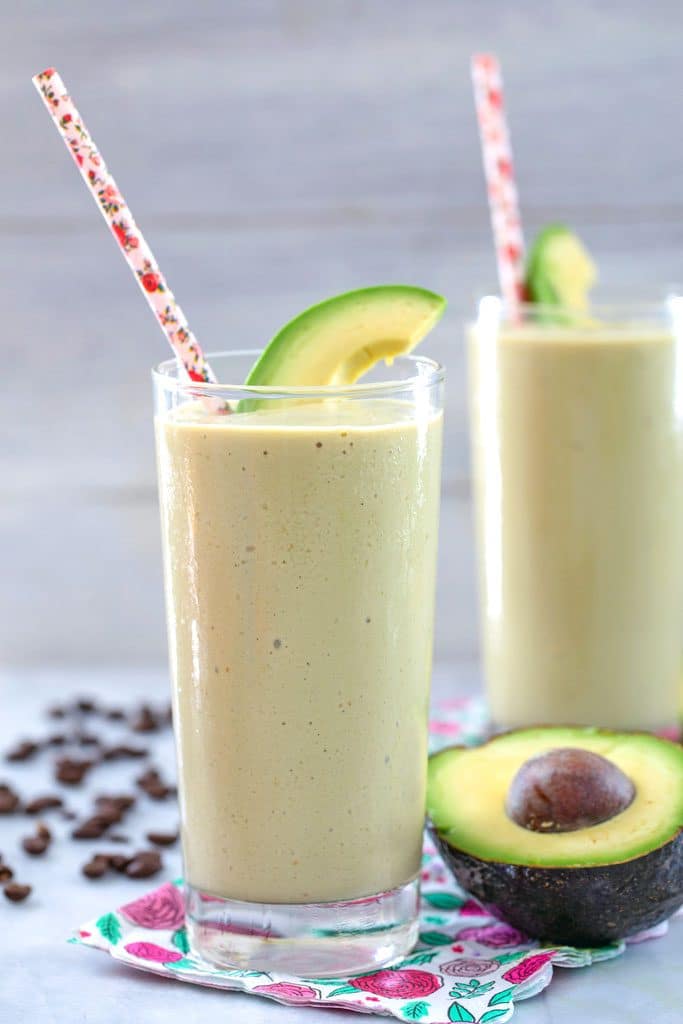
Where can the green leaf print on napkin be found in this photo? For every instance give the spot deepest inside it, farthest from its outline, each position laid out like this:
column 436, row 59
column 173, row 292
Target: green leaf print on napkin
column 179, row 940
column 457, row 1011
column 181, row 965
column 502, row 997
column 109, row 927
column 343, row 990
column 507, row 958
column 442, row 900
column 415, row 1011
column 470, row 989
column 435, row 938
column 493, row 1015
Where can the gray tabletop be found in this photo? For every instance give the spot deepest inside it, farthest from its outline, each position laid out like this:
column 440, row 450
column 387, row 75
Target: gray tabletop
column 49, row 981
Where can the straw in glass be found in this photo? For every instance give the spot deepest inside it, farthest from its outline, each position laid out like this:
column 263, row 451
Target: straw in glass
column 116, row 212
column 500, row 178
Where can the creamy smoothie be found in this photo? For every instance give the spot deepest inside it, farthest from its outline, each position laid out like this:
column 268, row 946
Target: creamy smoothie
column 577, row 441
column 300, row 551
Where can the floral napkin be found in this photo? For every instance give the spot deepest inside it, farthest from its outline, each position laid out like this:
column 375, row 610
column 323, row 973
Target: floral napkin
column 467, row 966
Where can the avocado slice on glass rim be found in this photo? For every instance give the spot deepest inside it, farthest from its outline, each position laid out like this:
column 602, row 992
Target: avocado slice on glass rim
column 336, row 341
column 559, row 272
column 615, row 869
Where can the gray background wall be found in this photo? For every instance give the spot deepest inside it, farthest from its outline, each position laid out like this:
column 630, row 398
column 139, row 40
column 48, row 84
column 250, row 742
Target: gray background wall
column 275, row 152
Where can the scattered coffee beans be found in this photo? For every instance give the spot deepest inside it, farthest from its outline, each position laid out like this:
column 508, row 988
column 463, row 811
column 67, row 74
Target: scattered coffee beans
column 145, row 720
column 23, row 751
column 15, row 892
column 9, row 800
column 35, row 845
column 144, row 864
column 96, row 867
column 71, row 771
column 162, row 838
column 43, row 803
column 108, row 809
column 123, row 750
column 150, row 782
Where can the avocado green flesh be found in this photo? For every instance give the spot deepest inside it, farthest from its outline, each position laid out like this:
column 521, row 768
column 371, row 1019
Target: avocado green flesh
column 337, row 341
column 559, row 271
column 467, row 789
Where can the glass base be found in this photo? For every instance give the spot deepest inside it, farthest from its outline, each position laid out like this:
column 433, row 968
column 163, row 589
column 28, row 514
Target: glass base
column 309, row 940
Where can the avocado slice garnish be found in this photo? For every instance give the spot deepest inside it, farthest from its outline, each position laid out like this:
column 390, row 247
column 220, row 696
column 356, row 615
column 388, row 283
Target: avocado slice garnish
column 559, row 271
column 336, row 341
column 579, row 884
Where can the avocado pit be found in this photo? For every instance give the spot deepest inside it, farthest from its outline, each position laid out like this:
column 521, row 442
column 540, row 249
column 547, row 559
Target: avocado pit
column 567, row 789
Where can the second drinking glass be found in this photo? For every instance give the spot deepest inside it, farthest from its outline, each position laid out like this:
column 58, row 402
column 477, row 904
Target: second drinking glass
column 577, row 442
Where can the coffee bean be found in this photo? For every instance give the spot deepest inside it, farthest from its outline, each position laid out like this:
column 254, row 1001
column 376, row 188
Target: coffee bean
column 22, row 752
column 86, row 739
column 56, row 711
column 15, row 892
column 71, row 770
column 158, row 792
column 150, row 777
column 162, row 838
column 86, row 705
column 108, row 812
column 57, row 739
column 118, row 861
column 9, row 800
column 122, row 801
column 43, row 831
column 43, row 803
column 96, row 867
column 144, row 864
column 35, row 845
column 123, row 750
column 91, row 828
column 151, row 783
column 145, row 720
column 6, row 873
column 115, row 714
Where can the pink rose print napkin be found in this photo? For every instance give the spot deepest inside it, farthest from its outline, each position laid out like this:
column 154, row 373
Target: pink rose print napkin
column 468, row 966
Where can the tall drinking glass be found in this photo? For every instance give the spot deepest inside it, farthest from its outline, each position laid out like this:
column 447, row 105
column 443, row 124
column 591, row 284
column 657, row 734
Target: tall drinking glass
column 577, row 443
column 299, row 536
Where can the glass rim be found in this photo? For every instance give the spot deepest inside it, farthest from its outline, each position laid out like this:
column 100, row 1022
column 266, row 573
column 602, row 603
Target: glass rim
column 428, row 373
column 666, row 304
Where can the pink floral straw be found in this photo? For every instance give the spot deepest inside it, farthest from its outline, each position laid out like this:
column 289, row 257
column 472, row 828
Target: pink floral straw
column 116, row 212
column 500, row 178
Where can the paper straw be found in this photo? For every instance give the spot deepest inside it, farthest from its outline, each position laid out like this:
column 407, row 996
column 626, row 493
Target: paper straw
column 116, row 212
column 500, row 178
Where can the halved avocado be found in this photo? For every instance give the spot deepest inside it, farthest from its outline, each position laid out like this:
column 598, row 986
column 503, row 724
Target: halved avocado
column 579, row 884
column 340, row 339
column 559, row 270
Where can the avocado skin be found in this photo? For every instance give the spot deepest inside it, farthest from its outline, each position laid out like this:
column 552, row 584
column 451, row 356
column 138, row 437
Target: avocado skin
column 582, row 906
